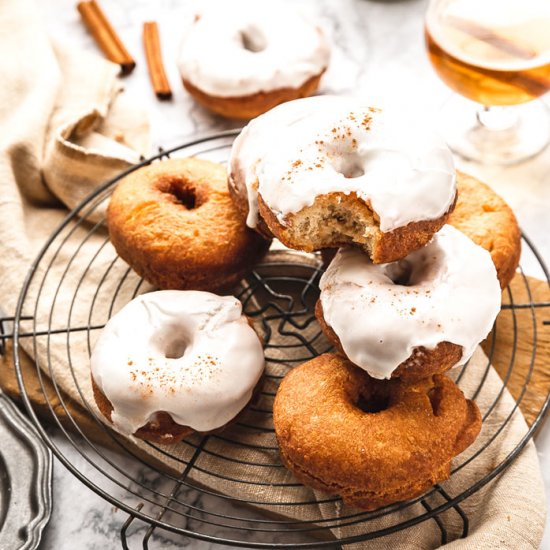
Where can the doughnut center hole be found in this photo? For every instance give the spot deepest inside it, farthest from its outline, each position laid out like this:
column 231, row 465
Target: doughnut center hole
column 434, row 395
column 400, row 272
column 374, row 403
column 350, row 165
column 175, row 349
column 186, row 197
column 253, row 40
column 184, row 193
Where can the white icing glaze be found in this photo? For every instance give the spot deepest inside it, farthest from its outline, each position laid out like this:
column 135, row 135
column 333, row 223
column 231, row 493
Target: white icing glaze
column 253, row 143
column 453, row 295
column 243, row 47
column 314, row 146
column 189, row 353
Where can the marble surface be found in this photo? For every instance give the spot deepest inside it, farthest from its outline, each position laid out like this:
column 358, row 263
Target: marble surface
column 379, row 56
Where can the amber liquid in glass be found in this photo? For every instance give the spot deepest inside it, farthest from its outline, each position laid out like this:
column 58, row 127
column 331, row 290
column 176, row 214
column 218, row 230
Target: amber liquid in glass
column 492, row 66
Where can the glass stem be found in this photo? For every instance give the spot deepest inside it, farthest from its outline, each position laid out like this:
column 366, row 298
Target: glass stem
column 497, row 119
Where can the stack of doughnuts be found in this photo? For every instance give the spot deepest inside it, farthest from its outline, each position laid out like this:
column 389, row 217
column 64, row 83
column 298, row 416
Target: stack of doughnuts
column 181, row 359
column 413, row 288
column 416, row 254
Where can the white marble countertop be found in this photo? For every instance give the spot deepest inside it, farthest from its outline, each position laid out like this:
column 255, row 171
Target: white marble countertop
column 384, row 41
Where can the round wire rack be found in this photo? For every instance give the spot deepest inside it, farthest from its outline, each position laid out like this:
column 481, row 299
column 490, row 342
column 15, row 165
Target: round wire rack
column 231, row 487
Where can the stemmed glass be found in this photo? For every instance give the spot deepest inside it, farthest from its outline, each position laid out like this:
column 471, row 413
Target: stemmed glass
column 495, row 53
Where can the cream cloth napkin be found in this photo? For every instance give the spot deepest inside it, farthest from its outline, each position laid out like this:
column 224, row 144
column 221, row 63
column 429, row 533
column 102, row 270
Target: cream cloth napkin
column 65, row 128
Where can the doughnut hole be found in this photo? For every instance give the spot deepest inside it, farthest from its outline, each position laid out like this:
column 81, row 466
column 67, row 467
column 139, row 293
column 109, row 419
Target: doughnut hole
column 253, row 39
column 349, row 165
column 190, row 195
column 400, row 272
column 435, row 396
column 374, row 401
column 175, row 348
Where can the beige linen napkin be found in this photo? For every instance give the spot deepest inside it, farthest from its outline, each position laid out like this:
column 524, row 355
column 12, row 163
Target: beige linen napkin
column 66, row 127
column 62, row 118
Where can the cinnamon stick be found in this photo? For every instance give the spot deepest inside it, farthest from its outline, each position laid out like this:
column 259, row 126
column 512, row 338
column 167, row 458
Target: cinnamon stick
column 153, row 55
column 105, row 35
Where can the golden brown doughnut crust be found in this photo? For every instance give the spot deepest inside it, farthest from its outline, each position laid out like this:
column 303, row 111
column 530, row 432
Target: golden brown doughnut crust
column 485, row 217
column 250, row 106
column 382, row 248
column 370, row 459
column 421, row 363
column 175, row 224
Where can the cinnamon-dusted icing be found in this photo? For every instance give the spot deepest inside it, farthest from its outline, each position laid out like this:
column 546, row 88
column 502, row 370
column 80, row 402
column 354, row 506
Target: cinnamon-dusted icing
column 190, row 354
column 244, row 47
column 252, row 144
column 317, row 146
column 447, row 291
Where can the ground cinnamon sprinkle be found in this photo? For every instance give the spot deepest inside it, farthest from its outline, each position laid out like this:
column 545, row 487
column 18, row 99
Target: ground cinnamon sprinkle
column 367, row 119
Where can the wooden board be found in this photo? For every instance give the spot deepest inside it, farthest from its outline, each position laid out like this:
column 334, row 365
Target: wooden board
column 528, row 360
column 523, row 329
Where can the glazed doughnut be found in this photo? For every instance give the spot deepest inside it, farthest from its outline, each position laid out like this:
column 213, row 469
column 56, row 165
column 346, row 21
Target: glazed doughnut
column 332, row 172
column 412, row 318
column 239, row 59
column 173, row 362
column 175, row 224
column 371, row 442
column 486, row 218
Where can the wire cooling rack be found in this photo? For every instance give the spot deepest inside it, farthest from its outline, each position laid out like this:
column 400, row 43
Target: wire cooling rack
column 208, row 494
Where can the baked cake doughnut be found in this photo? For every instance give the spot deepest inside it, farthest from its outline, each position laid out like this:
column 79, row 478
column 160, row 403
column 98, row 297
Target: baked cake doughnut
column 173, row 362
column 337, row 173
column 175, row 224
column 371, row 442
column 486, row 218
column 241, row 58
column 419, row 316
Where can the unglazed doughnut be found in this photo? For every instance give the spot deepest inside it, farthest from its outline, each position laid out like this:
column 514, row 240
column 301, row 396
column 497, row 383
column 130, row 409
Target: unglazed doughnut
column 175, row 224
column 332, row 172
column 486, row 218
column 371, row 442
column 241, row 58
column 412, row 318
column 173, row 362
